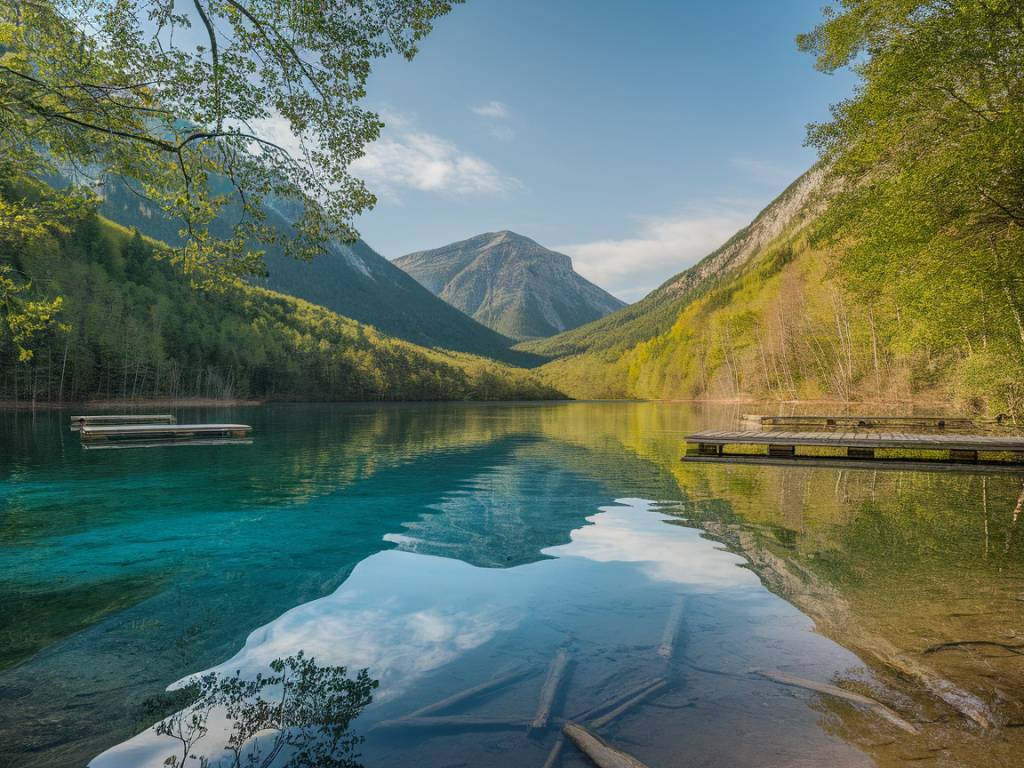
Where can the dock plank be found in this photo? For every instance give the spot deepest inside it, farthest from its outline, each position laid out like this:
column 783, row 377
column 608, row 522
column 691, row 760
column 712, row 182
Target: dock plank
column 813, row 420
column 1013, row 444
column 121, row 419
column 125, row 432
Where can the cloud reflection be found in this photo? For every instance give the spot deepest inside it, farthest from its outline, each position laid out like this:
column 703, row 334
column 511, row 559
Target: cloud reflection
column 635, row 532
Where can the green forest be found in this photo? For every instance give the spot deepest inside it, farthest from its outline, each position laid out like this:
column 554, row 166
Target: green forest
column 127, row 324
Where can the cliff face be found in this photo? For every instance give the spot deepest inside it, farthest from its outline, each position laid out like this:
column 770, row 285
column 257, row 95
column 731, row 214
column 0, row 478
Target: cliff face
column 790, row 210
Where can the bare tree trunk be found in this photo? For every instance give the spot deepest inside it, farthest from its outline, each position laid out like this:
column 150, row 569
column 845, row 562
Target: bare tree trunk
column 1015, row 312
column 702, row 357
column 63, row 368
column 874, row 352
column 845, row 351
column 124, row 378
column 730, row 363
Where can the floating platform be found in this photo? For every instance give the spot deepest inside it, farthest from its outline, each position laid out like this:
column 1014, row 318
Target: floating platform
column 888, row 447
column 114, row 444
column 863, row 422
column 121, row 419
column 164, row 433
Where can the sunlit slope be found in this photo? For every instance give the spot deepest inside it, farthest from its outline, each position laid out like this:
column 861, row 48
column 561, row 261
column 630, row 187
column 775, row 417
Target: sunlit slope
column 614, row 334
column 658, row 348
column 783, row 311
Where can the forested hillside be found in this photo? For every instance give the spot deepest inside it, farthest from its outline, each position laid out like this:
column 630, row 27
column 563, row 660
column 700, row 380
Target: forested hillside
column 787, row 323
column 348, row 278
column 128, row 325
column 614, row 334
column 900, row 278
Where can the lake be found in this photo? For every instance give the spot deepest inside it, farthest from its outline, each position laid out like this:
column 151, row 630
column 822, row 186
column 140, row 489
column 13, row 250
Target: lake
column 443, row 546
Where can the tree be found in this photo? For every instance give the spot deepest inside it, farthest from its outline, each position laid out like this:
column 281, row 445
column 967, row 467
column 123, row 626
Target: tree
column 930, row 217
column 24, row 317
column 26, row 320
column 189, row 98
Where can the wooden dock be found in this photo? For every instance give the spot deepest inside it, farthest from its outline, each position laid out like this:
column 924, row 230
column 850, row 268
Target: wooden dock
column 150, row 433
column 862, row 422
column 121, row 419
column 860, row 446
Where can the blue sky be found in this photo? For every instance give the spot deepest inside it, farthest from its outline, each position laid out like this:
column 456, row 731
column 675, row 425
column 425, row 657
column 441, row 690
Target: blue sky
column 634, row 136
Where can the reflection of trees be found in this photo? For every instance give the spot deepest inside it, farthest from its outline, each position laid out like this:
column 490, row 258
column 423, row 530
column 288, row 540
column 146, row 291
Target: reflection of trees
column 325, row 449
column 888, row 564
column 298, row 715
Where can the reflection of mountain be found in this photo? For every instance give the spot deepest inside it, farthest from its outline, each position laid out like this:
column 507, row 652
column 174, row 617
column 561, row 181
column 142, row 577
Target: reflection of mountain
column 504, row 516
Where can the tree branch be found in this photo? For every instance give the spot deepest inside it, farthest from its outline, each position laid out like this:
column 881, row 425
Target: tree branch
column 215, row 59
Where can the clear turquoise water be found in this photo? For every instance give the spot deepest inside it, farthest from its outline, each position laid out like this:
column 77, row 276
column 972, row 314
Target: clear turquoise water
column 438, row 546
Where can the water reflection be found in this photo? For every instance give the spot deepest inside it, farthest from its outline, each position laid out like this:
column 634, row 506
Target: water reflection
column 122, row 571
column 419, row 622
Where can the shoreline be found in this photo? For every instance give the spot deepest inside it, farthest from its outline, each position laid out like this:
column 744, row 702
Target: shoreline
column 937, row 406
column 161, row 402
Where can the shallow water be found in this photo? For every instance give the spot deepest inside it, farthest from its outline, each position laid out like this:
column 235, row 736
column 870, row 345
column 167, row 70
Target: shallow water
column 442, row 545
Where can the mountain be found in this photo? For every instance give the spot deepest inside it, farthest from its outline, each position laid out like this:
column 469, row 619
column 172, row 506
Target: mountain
column 781, row 312
column 701, row 333
column 133, row 328
column 510, row 284
column 350, row 279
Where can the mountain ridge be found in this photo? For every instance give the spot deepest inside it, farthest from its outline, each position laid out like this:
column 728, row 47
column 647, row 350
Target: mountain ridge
column 511, row 284
column 654, row 314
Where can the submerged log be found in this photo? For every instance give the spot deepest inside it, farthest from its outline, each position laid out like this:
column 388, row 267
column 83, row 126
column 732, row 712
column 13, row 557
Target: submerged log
column 555, row 753
column 468, row 693
column 552, row 684
column 876, row 706
column 959, row 644
column 600, row 752
column 614, row 701
column 672, row 625
column 628, row 704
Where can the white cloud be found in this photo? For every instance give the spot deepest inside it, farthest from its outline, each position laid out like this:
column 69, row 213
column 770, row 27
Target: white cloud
column 493, row 109
column 278, row 130
column 634, row 532
column 408, row 159
column 405, row 158
column 662, row 246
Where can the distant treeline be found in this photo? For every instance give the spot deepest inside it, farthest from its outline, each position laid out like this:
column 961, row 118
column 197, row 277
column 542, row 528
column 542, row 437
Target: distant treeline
column 131, row 326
